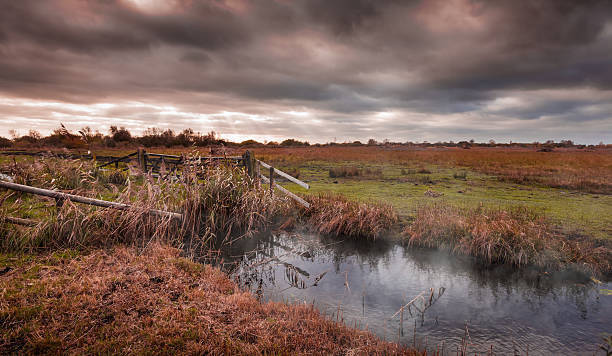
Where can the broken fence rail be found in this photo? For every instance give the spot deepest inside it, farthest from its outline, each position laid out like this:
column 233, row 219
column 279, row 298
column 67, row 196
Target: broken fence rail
column 18, row 221
column 59, row 196
column 290, row 194
column 284, row 175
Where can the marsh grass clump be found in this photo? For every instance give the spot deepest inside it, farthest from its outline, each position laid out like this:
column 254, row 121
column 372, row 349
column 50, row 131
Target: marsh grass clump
column 516, row 235
column 229, row 202
column 332, row 214
column 460, row 175
column 353, row 171
column 341, row 172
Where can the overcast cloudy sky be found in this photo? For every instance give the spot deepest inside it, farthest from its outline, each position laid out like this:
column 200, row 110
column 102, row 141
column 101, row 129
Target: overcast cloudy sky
column 311, row 69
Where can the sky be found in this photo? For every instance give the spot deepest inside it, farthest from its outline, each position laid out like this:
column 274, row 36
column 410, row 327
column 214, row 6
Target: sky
column 316, row 70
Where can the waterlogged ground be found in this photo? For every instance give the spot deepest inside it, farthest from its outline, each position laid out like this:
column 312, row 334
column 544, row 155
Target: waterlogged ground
column 366, row 284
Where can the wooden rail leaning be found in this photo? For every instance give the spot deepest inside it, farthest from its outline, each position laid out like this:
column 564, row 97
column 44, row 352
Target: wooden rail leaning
column 59, row 196
column 282, row 189
column 284, row 175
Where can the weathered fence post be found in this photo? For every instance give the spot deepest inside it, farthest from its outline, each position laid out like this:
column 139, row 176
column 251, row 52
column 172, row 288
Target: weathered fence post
column 257, row 174
column 271, row 180
column 142, row 159
column 248, row 163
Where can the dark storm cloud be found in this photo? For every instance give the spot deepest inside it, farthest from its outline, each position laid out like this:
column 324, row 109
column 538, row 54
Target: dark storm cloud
column 342, row 61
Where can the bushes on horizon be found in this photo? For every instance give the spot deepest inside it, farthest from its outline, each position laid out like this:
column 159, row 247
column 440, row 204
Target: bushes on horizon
column 293, row 142
column 153, row 137
column 120, row 134
column 5, row 142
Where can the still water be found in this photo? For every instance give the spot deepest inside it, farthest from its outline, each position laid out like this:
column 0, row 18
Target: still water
column 458, row 301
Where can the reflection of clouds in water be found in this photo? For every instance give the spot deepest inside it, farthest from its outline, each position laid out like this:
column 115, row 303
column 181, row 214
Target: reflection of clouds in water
column 556, row 312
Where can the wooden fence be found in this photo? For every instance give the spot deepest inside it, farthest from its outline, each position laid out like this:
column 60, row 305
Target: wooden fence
column 153, row 163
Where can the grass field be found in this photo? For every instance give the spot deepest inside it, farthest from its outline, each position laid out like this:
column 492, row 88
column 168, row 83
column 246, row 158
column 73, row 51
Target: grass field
column 465, row 178
column 78, row 258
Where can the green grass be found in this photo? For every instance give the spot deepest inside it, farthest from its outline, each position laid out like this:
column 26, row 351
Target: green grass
column 573, row 212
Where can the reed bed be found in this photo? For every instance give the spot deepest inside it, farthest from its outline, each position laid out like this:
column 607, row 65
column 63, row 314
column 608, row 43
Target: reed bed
column 332, row 214
column 225, row 203
column 514, row 235
column 126, row 301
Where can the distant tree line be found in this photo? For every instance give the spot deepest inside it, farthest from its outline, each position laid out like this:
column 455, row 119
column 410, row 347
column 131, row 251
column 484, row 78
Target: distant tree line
column 155, row 137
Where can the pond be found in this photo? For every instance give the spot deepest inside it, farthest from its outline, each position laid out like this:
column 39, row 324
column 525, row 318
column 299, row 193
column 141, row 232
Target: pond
column 459, row 302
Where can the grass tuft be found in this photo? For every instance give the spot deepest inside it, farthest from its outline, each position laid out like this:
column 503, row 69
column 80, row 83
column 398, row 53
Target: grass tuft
column 517, row 235
column 332, row 214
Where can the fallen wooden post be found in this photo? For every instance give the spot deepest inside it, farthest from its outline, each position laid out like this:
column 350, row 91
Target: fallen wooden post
column 290, row 194
column 18, row 221
column 285, row 175
column 79, row 199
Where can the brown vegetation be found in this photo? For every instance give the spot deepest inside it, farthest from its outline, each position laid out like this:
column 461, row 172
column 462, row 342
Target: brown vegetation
column 125, row 302
column 517, row 235
column 352, row 171
column 225, row 203
column 582, row 170
column 332, row 214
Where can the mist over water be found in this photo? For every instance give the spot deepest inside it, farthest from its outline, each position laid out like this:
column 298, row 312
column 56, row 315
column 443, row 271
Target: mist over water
column 366, row 284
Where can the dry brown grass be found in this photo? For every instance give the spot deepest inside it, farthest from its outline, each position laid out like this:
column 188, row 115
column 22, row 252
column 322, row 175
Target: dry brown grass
column 353, row 171
column 517, row 235
column 124, row 302
column 332, row 214
column 225, row 203
column 583, row 170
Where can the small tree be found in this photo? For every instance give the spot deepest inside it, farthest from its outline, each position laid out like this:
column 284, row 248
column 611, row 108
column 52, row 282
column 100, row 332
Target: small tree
column 121, row 134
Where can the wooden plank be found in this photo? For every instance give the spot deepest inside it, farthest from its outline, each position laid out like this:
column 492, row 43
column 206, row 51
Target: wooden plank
column 79, row 199
column 18, row 221
column 285, row 175
column 290, row 194
column 117, row 160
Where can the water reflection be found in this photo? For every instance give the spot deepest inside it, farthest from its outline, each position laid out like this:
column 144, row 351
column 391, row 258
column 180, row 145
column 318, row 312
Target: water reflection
column 462, row 304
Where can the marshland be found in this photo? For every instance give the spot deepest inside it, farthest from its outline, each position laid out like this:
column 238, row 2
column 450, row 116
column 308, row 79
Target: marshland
column 400, row 249
column 339, row 177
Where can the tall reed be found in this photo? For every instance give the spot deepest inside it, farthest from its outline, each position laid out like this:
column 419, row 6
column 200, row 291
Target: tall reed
column 215, row 201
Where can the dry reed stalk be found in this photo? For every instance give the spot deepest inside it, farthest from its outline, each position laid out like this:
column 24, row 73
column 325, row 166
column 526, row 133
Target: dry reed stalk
column 217, row 201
